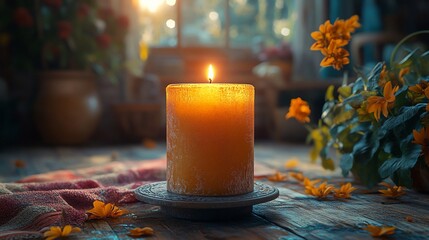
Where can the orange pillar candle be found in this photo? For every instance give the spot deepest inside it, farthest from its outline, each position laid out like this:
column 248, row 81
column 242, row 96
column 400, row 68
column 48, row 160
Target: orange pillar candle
column 210, row 139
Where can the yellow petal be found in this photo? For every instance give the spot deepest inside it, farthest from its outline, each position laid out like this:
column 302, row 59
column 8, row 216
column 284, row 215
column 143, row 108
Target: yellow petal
column 66, row 230
column 98, row 204
column 327, row 61
column 292, row 163
column 317, row 35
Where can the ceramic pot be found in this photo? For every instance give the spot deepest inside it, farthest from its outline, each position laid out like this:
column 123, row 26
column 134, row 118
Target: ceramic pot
column 67, row 107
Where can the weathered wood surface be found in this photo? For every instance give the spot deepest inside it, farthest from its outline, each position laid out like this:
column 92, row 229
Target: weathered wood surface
column 294, row 215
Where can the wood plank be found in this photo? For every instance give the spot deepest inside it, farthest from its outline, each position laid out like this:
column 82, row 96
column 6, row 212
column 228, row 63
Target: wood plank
column 333, row 219
column 145, row 215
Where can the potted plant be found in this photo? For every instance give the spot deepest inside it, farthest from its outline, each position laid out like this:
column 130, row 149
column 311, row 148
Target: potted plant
column 379, row 123
column 74, row 40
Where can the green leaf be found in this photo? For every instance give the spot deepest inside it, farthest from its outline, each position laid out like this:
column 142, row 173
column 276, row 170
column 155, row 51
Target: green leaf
column 346, row 163
column 362, row 149
column 358, row 85
column 375, row 76
column 343, row 116
column 411, row 153
column 320, row 137
column 361, row 127
column 354, row 100
column 367, row 173
column 406, row 114
column 328, row 163
column 329, row 96
column 347, row 139
column 403, row 178
column 345, row 91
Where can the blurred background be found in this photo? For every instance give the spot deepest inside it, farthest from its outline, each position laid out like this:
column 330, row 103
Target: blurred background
column 94, row 72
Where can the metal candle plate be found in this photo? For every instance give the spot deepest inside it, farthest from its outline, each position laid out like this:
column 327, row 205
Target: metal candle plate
column 205, row 208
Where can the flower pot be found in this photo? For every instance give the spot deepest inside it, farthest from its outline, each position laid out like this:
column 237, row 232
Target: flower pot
column 67, row 107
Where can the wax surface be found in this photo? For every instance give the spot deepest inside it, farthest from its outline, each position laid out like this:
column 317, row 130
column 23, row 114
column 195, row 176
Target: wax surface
column 210, row 139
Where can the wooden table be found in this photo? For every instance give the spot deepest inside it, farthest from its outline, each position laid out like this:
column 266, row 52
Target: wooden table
column 294, row 215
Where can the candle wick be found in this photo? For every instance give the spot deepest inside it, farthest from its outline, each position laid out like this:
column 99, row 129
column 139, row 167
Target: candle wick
column 210, row 80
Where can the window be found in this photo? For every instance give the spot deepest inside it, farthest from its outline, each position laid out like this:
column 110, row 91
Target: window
column 215, row 23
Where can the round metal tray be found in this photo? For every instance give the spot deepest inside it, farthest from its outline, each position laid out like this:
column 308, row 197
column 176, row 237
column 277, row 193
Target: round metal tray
column 205, row 208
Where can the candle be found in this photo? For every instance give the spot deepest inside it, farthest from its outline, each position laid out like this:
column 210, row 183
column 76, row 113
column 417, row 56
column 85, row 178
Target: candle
column 210, row 138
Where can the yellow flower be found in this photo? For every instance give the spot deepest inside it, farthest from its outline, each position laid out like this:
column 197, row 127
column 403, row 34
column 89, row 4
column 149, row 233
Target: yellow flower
column 277, row 177
column 376, row 231
column 339, row 32
column 299, row 109
column 321, row 192
column 138, row 232
column 322, row 36
column 383, row 76
column 298, row 176
column 392, row 191
column 292, row 163
column 55, row 232
column 378, row 105
column 310, row 183
column 419, row 88
column 335, row 56
column 344, row 191
column 102, row 210
column 352, row 23
column 331, row 38
column 421, row 137
column 402, row 73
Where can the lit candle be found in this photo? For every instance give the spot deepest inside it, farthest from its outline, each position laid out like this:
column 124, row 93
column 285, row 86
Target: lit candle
column 210, row 138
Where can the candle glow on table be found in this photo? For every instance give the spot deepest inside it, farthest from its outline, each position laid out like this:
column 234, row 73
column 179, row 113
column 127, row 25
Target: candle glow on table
column 210, row 138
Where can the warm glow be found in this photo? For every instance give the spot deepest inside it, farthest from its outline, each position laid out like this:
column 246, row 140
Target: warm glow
column 171, row 2
column 285, row 31
column 213, row 16
column 151, row 5
column 170, row 23
column 210, row 74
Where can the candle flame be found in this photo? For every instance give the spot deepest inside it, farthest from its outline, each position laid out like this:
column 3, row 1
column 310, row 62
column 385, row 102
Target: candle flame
column 210, row 74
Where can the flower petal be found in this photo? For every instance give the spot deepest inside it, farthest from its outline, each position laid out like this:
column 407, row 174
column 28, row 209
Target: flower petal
column 66, row 230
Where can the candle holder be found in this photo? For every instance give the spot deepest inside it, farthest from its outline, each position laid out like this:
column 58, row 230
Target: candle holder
column 202, row 208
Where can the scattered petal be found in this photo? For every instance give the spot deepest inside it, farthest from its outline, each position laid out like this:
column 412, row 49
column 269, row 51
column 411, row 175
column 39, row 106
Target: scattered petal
column 292, row 163
column 138, row 232
column 321, row 192
column 409, row 219
column 376, row 231
column 307, row 182
column 298, row 176
column 392, row 191
column 55, row 232
column 344, row 191
column 102, row 210
column 277, row 177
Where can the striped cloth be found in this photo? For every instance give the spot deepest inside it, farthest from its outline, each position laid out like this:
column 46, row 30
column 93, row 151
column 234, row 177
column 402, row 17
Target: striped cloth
column 63, row 197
